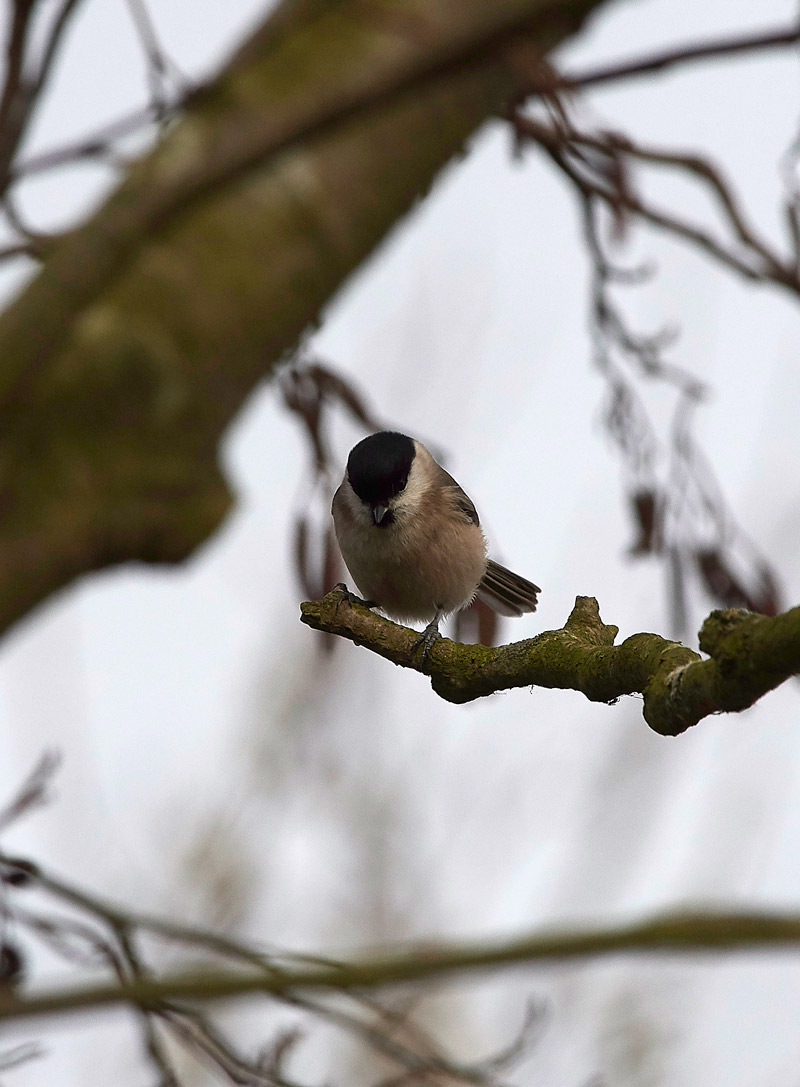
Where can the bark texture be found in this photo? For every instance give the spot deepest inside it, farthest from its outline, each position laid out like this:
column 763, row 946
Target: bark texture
column 748, row 655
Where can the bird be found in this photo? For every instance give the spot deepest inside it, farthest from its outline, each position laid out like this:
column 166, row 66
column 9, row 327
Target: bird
column 412, row 539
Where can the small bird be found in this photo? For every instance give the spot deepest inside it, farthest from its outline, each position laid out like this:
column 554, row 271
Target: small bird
column 411, row 538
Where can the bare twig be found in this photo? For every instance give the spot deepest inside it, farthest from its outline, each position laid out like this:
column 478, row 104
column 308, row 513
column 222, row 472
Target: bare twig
column 26, row 79
column 161, row 69
column 660, row 60
column 12, row 98
column 199, row 1035
column 20, row 1054
column 673, row 516
column 33, row 793
column 754, row 260
column 17, row 250
column 705, row 171
column 154, row 1045
column 97, row 144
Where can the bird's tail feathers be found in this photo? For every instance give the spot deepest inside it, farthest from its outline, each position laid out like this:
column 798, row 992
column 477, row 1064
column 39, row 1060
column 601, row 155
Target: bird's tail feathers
column 505, row 592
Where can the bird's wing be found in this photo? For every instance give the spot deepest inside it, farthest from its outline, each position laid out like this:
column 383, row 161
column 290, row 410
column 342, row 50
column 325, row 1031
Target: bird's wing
column 461, row 500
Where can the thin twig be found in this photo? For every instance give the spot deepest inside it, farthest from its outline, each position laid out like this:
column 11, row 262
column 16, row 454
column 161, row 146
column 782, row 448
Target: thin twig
column 684, row 54
column 198, row 1034
column 95, row 145
column 154, row 1046
column 23, row 92
column 118, row 918
column 701, row 168
column 757, row 262
column 33, row 793
column 672, row 518
column 12, row 97
column 20, row 1054
column 159, row 66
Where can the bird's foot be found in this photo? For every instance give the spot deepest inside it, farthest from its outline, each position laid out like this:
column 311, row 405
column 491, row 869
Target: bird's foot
column 428, row 637
column 350, row 598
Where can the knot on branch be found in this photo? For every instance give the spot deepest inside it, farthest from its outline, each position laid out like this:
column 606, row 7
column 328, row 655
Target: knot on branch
column 585, row 622
column 717, row 630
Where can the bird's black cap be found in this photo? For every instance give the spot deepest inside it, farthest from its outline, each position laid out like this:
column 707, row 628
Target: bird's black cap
column 378, row 466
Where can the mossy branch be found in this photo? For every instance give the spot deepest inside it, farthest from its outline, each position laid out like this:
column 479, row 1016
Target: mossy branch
column 676, row 933
column 748, row 655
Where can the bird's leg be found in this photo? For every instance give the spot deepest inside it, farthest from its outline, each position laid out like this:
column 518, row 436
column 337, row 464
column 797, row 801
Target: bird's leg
column 428, row 636
column 351, row 598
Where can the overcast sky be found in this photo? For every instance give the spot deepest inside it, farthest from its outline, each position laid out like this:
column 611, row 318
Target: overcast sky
column 205, row 738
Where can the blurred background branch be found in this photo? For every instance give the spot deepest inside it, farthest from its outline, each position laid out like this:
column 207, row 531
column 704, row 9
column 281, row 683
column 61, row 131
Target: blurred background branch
column 290, row 977
column 93, row 934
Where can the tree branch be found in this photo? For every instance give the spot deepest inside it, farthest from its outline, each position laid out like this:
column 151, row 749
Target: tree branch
column 675, row 933
column 749, row 655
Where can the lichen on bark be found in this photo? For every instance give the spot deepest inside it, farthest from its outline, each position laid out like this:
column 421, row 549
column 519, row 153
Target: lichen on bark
column 749, row 655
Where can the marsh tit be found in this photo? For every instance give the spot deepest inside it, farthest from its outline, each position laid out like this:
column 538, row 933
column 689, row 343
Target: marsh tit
column 412, row 540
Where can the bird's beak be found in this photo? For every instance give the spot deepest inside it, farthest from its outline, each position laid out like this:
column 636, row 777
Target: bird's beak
column 379, row 513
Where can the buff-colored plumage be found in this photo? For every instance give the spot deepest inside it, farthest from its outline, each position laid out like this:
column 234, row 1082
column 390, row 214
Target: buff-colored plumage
column 431, row 559
column 420, row 564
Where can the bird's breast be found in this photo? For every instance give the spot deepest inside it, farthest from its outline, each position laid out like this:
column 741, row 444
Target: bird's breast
column 409, row 568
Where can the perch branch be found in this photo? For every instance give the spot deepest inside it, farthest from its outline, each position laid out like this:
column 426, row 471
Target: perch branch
column 749, row 655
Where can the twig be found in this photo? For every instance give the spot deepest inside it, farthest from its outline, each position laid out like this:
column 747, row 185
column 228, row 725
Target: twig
column 758, row 262
column 22, row 91
column 203, row 1038
column 705, row 171
column 684, row 54
column 154, row 1046
column 96, row 144
column 597, row 165
column 20, row 1054
column 12, row 98
column 159, row 66
column 33, row 793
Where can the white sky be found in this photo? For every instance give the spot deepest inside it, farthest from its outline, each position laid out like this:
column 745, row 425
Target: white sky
column 344, row 803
